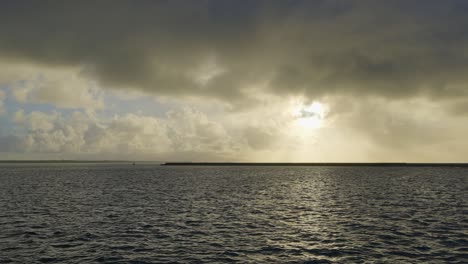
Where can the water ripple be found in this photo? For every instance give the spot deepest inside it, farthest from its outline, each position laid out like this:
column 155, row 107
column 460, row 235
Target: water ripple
column 152, row 214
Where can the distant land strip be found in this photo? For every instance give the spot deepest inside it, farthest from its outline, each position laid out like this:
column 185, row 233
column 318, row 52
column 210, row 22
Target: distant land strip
column 331, row 164
column 65, row 161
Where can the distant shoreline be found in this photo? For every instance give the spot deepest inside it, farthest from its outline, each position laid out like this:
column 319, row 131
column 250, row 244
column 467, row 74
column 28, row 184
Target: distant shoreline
column 285, row 164
column 65, row 161
column 324, row 164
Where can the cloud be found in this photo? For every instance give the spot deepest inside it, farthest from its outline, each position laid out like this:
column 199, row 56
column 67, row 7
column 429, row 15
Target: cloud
column 458, row 107
column 368, row 129
column 260, row 138
column 222, row 49
column 393, row 75
column 128, row 136
column 191, row 130
column 35, row 121
column 63, row 88
column 406, row 130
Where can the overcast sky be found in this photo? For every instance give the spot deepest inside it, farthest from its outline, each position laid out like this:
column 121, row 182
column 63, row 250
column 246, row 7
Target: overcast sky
column 234, row 80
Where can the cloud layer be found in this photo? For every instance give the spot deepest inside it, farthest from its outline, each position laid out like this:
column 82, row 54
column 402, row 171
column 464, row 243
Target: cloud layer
column 227, row 49
column 393, row 75
column 187, row 133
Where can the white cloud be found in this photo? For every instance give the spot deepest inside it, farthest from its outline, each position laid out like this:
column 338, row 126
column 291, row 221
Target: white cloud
column 191, row 130
column 128, row 136
column 391, row 131
column 35, row 121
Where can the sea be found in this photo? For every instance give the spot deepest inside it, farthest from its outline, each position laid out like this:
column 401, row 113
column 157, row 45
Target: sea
column 120, row 213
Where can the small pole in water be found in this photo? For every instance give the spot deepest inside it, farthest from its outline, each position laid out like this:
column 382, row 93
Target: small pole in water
column 133, row 163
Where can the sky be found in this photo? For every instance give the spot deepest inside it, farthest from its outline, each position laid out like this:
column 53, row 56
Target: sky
column 266, row 81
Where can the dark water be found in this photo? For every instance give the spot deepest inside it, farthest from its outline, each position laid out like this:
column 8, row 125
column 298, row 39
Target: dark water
column 152, row 214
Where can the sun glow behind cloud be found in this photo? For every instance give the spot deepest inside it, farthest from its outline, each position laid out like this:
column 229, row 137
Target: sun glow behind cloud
column 236, row 82
column 310, row 116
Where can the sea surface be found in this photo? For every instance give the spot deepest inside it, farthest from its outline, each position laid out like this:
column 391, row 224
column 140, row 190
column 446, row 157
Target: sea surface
column 118, row 213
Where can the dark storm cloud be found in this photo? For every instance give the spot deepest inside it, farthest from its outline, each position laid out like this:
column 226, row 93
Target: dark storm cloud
column 394, row 49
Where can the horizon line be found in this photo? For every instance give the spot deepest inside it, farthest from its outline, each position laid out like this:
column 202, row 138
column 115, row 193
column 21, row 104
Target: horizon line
column 337, row 164
column 190, row 163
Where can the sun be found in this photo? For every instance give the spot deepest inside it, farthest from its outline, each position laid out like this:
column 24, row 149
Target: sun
column 310, row 116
